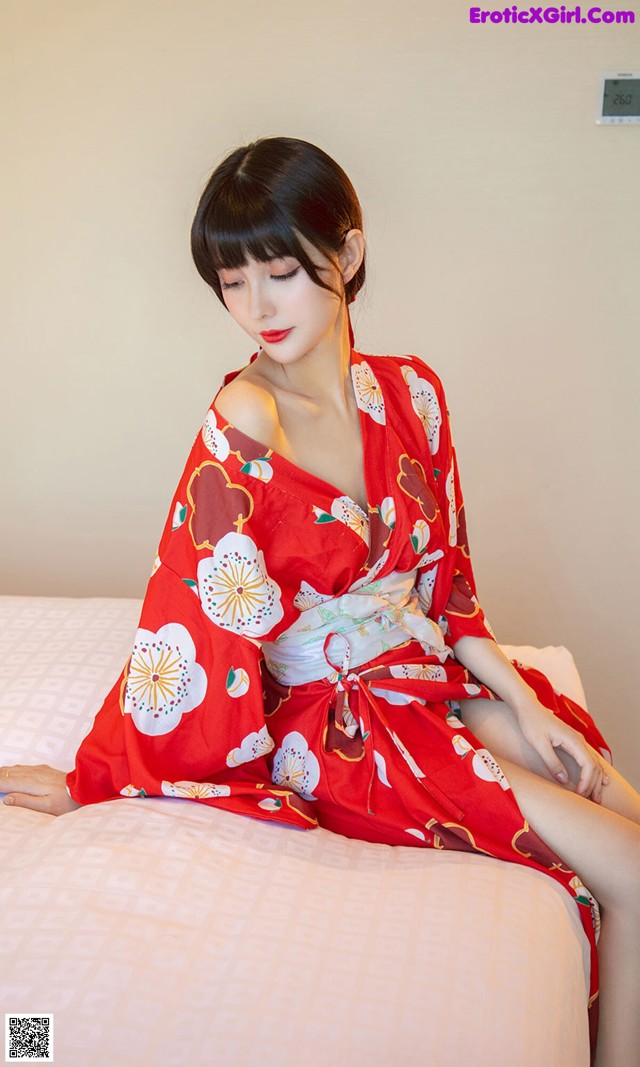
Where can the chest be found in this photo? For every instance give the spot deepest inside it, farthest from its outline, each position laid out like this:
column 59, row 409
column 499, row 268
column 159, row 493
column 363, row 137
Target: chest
column 328, row 447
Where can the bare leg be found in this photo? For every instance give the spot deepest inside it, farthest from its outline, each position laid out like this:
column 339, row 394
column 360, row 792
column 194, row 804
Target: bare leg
column 603, row 848
column 606, row 865
column 493, row 723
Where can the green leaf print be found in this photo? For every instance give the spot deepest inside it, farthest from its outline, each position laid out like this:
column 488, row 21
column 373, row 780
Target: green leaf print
column 179, row 517
column 246, row 467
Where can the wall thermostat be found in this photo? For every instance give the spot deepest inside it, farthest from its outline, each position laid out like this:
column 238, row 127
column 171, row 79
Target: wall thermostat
column 619, row 99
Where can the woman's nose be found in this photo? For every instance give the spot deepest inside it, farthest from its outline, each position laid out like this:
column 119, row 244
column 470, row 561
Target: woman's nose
column 261, row 302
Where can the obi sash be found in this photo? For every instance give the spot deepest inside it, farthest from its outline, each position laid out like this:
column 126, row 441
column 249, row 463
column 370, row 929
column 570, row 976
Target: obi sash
column 362, row 623
column 367, row 621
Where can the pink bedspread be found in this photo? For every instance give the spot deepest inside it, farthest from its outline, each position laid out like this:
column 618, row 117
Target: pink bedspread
column 160, row 933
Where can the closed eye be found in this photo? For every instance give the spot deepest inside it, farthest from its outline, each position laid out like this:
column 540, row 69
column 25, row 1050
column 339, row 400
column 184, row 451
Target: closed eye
column 276, row 278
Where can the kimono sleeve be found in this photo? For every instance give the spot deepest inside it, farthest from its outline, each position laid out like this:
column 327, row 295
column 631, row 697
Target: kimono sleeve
column 452, row 587
column 185, row 717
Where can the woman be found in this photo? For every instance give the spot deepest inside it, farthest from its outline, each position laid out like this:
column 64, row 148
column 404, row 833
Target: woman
column 311, row 649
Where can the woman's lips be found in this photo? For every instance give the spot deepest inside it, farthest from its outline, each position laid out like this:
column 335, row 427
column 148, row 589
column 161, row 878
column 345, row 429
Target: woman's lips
column 275, row 335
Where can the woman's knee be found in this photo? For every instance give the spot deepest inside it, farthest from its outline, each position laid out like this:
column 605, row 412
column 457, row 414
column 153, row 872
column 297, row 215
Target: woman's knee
column 601, row 846
column 495, row 725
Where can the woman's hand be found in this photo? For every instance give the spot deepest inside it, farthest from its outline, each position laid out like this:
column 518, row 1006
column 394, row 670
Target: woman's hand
column 546, row 732
column 40, row 788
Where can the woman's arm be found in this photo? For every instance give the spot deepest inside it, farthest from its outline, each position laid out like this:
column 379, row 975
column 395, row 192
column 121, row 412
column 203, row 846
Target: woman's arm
column 539, row 726
column 447, row 591
column 488, row 663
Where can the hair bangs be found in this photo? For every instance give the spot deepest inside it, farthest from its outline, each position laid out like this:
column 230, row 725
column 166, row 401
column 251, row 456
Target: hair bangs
column 263, row 234
column 263, row 200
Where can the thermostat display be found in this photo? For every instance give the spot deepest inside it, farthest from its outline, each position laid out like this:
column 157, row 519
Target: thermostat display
column 619, row 99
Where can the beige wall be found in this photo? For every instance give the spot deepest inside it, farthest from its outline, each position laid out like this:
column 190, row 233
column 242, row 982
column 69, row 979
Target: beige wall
column 503, row 242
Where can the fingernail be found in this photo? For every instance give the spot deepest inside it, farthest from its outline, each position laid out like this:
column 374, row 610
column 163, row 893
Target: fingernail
column 561, row 776
column 8, row 800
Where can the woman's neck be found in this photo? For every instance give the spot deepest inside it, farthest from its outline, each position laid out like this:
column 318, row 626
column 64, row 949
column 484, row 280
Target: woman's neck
column 322, row 376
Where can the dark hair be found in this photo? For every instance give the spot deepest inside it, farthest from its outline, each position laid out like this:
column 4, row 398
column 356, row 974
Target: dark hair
column 261, row 196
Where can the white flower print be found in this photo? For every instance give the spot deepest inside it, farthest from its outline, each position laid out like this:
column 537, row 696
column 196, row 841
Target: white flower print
column 425, row 404
column 308, row 597
column 482, row 761
column 461, row 745
column 453, row 718
column 381, row 767
column 420, row 535
column 579, row 888
column 195, row 790
column 393, row 697
column 425, row 586
column 387, row 511
column 258, row 468
column 430, row 557
column 345, row 510
column 295, row 766
column 418, row 670
column 236, row 591
column 238, row 682
column 451, row 497
column 270, row 804
column 214, row 439
column 583, row 895
column 253, row 745
column 349, row 722
column 179, row 515
column 164, row 681
column 368, row 393
column 486, row 767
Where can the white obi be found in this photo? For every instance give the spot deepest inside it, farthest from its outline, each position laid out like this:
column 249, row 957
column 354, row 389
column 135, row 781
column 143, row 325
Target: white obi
column 360, row 625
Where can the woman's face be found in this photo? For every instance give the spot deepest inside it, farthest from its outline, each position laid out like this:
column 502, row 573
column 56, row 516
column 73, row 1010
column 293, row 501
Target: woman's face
column 280, row 295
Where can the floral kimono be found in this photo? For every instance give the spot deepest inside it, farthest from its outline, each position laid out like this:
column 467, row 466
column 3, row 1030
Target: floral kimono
column 293, row 660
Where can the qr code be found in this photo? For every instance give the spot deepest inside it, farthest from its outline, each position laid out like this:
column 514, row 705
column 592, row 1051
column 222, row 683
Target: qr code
column 28, row 1038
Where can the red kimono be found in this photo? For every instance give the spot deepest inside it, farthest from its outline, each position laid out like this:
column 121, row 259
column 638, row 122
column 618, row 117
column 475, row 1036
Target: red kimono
column 293, row 657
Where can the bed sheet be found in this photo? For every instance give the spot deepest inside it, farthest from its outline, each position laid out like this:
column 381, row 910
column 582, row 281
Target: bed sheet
column 161, row 933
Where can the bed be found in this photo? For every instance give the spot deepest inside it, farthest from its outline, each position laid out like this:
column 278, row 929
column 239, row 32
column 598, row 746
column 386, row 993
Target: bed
column 163, row 934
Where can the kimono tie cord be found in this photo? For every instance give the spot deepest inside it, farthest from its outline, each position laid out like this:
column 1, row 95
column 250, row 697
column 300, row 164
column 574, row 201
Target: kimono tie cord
column 369, row 623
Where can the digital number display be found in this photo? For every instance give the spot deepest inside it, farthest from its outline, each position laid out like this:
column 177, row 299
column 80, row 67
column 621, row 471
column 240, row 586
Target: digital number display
column 621, row 97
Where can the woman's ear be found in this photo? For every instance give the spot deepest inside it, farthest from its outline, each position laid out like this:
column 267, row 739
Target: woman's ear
column 351, row 254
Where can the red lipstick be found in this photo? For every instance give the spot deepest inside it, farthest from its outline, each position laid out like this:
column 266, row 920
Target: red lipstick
column 272, row 336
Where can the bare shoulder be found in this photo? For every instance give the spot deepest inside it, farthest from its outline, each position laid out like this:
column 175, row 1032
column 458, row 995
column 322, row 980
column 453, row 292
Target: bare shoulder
column 249, row 406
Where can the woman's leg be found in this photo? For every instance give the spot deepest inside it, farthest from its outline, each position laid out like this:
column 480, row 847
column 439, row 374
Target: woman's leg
column 601, row 843
column 493, row 723
column 603, row 848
